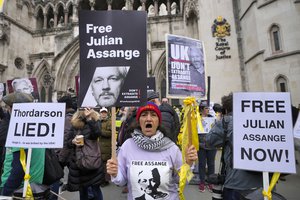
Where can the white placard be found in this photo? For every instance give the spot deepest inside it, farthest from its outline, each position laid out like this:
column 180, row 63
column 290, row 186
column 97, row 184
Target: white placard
column 297, row 127
column 262, row 132
column 36, row 125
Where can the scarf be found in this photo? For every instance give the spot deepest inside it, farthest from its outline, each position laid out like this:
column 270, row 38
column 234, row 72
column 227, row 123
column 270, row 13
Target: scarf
column 158, row 142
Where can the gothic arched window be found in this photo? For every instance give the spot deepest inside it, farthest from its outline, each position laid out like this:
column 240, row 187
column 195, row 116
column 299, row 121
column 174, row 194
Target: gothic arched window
column 275, row 36
column 281, row 84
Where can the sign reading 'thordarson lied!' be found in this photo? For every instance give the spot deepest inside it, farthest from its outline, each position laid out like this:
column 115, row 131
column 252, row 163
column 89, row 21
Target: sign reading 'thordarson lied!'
column 113, row 69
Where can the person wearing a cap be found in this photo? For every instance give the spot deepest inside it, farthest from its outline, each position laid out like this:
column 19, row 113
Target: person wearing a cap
column 105, row 141
column 170, row 119
column 13, row 173
column 149, row 162
column 206, row 154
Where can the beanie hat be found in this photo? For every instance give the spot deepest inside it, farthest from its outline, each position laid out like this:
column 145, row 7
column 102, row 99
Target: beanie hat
column 17, row 97
column 152, row 95
column 149, row 106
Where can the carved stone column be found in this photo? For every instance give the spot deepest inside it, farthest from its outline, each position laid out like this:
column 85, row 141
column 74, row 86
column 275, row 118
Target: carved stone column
column 169, row 7
column 45, row 21
column 92, row 4
column 109, row 2
column 155, row 7
column 143, row 2
column 75, row 12
column 66, row 17
column 55, row 19
column 129, row 4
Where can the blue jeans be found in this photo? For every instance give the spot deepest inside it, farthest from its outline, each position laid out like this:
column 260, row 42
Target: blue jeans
column 96, row 191
column 206, row 157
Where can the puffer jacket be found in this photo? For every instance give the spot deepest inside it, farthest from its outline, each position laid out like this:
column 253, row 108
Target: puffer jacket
column 78, row 178
column 105, row 139
column 170, row 121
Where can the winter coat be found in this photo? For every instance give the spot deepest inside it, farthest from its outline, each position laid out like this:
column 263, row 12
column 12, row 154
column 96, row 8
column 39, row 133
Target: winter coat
column 83, row 178
column 236, row 179
column 65, row 152
column 4, row 123
column 105, row 139
column 170, row 121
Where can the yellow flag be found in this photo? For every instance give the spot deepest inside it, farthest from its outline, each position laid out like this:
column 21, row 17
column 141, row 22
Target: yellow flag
column 274, row 180
column 27, row 176
column 189, row 137
column 1, row 5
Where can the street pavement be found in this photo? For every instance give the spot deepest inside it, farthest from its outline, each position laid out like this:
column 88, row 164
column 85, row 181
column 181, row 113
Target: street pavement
column 290, row 189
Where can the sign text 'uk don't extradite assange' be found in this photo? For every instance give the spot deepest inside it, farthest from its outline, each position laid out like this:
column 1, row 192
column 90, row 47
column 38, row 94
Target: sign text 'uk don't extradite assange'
column 36, row 125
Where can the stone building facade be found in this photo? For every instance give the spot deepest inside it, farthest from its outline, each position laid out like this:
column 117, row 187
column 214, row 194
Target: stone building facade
column 250, row 45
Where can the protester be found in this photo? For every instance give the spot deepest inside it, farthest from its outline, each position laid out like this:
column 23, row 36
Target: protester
column 148, row 162
column 206, row 155
column 237, row 181
column 13, row 173
column 65, row 152
column 107, row 83
column 127, row 126
column 87, row 123
column 170, row 119
column 105, row 141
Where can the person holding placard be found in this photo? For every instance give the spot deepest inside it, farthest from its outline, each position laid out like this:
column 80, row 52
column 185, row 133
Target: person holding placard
column 206, row 154
column 13, row 173
column 149, row 162
column 86, row 125
column 237, row 181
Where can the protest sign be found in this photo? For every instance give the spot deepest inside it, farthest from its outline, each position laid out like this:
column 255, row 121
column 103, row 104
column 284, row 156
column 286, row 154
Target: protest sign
column 185, row 67
column 262, row 132
column 25, row 85
column 151, row 84
column 297, row 128
column 36, row 125
column 113, row 67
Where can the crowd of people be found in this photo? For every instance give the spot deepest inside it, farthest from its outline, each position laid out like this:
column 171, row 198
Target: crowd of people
column 148, row 153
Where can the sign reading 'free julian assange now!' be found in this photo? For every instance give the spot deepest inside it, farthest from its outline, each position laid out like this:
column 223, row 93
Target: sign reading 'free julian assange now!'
column 263, row 132
column 36, row 125
column 113, row 68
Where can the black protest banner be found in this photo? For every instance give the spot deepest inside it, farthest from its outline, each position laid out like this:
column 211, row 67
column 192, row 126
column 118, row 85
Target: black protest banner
column 112, row 58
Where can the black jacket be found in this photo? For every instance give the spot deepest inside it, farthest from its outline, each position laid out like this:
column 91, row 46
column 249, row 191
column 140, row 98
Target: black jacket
column 170, row 121
column 78, row 178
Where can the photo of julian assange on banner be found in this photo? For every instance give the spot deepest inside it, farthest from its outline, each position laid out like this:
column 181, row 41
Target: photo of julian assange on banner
column 113, row 69
column 185, row 67
column 24, row 85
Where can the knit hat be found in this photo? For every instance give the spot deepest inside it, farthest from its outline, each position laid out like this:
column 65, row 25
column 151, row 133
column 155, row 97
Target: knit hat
column 17, row 97
column 149, row 106
column 152, row 95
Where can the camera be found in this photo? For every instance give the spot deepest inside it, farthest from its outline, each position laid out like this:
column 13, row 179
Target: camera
column 217, row 180
column 217, row 192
